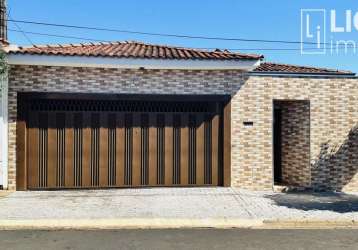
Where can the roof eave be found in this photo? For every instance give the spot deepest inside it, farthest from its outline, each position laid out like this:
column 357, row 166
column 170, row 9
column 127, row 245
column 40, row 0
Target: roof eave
column 341, row 74
column 135, row 63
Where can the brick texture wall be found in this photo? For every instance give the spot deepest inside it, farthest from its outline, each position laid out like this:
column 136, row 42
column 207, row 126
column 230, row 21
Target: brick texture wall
column 99, row 80
column 333, row 129
column 333, row 112
column 295, row 142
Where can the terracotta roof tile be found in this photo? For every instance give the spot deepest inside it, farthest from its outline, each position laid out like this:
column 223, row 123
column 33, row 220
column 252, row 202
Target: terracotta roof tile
column 133, row 49
column 268, row 67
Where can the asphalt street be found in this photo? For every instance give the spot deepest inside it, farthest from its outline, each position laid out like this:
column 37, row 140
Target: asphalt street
column 180, row 239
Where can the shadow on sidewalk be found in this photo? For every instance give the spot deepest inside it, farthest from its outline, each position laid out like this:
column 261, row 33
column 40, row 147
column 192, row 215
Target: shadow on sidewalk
column 308, row 201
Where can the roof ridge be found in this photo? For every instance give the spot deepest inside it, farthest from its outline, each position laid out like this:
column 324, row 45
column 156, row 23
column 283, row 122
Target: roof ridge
column 64, row 45
column 163, row 45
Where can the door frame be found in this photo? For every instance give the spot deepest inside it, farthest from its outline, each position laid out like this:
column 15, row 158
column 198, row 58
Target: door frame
column 280, row 102
column 21, row 126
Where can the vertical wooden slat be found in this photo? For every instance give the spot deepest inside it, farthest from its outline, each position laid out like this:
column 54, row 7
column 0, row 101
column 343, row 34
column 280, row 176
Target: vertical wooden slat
column 33, row 150
column 192, row 149
column 69, row 157
column 144, row 149
column 152, row 149
column 61, row 138
column 207, row 150
column 160, row 149
column 184, row 150
column 168, row 180
column 206, row 161
column 176, row 149
column 95, row 140
column 78, row 144
column 227, row 144
column 128, row 149
column 136, row 163
column 215, row 149
column 120, row 149
column 112, row 148
column 52, row 150
column 43, row 124
column 86, row 150
column 200, row 152
column 103, row 150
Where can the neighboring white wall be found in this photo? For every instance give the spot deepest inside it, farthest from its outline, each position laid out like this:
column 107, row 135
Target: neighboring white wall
column 3, row 131
column 1, row 137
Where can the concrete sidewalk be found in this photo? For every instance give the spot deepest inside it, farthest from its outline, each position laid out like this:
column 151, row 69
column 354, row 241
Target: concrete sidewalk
column 176, row 207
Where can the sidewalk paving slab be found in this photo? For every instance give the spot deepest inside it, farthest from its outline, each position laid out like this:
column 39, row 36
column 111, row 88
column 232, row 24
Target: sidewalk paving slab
column 176, row 208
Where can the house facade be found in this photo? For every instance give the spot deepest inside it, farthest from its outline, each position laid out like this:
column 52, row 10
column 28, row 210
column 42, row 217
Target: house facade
column 129, row 114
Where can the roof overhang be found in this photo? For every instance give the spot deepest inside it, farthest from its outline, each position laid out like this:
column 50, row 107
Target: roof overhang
column 131, row 63
column 296, row 74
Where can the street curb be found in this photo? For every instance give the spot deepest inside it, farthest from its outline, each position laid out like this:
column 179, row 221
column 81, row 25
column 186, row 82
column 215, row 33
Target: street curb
column 170, row 223
column 310, row 224
column 4, row 193
column 128, row 223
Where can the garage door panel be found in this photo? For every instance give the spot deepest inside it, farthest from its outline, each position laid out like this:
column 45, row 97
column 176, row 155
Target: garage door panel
column 69, row 150
column 200, row 149
column 33, row 150
column 192, row 149
column 168, row 151
column 52, row 150
column 120, row 149
column 80, row 144
column 144, row 149
column 176, row 149
column 95, row 141
column 136, row 157
column 152, row 149
column 112, row 149
column 160, row 149
column 103, row 150
column 184, row 149
column 215, row 149
column 128, row 149
column 86, row 150
column 61, row 153
column 77, row 148
column 43, row 150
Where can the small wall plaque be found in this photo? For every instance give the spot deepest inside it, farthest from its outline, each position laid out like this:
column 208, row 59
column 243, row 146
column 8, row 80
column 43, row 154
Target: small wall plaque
column 248, row 124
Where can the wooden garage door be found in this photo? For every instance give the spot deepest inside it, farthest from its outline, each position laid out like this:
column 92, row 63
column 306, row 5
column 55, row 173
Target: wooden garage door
column 123, row 143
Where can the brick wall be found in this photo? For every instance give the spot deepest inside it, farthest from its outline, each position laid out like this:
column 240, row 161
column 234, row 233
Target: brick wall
column 334, row 112
column 333, row 129
column 295, row 142
column 97, row 80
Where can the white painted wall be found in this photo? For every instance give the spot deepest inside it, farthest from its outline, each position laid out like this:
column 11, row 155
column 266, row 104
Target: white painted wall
column 1, row 137
column 3, row 132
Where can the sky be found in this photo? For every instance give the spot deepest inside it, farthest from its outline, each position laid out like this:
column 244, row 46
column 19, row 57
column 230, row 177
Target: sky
column 265, row 20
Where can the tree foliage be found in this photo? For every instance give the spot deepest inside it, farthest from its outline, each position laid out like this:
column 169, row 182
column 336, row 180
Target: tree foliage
column 3, row 63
